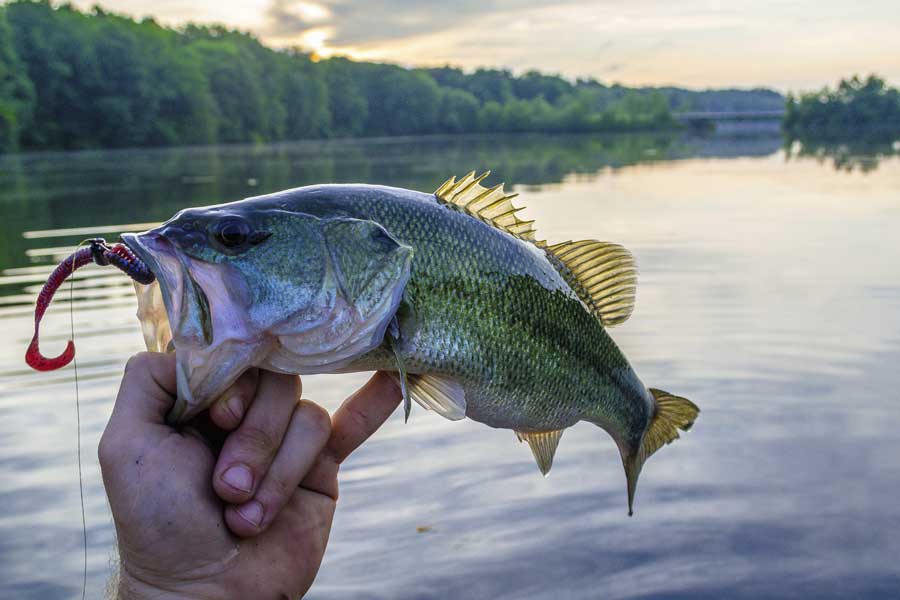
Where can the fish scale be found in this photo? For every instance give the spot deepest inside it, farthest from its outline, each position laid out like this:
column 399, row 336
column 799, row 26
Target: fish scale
column 532, row 354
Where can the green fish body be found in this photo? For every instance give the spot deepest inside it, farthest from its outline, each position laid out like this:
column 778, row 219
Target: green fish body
column 450, row 291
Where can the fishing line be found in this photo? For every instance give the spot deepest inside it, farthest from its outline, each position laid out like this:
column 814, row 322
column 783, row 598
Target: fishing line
column 78, row 427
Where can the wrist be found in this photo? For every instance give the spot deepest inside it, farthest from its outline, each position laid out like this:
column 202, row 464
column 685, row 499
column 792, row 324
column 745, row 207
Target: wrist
column 129, row 586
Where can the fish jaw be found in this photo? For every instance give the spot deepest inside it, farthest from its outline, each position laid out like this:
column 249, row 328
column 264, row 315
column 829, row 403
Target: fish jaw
column 205, row 307
column 218, row 331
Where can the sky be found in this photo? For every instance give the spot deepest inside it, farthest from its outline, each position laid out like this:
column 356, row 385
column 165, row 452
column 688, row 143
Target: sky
column 784, row 44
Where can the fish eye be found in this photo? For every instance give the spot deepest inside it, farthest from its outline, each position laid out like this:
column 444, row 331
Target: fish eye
column 232, row 233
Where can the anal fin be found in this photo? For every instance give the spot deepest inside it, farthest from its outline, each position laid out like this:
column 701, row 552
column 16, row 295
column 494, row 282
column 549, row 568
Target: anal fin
column 543, row 445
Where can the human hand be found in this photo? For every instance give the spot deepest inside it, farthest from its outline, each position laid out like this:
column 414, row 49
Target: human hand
column 191, row 526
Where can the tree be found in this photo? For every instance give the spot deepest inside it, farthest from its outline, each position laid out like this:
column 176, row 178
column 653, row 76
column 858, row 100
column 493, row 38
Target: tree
column 348, row 107
column 857, row 108
column 458, row 112
column 401, row 102
column 16, row 91
column 72, row 79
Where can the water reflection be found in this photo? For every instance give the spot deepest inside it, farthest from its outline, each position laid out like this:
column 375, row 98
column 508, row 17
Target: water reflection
column 769, row 294
column 59, row 190
column 858, row 155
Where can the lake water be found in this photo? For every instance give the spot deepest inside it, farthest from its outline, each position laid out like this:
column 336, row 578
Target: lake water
column 769, row 294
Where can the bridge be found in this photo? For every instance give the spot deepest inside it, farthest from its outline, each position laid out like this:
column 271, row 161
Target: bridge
column 735, row 115
column 737, row 121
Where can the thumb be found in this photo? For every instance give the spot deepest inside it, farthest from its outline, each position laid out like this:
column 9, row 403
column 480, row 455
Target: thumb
column 147, row 391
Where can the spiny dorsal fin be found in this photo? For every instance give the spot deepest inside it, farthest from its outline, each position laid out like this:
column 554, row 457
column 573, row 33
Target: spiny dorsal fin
column 603, row 275
column 543, row 445
column 491, row 205
column 439, row 393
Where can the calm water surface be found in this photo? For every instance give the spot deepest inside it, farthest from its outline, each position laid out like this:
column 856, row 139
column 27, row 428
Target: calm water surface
column 769, row 294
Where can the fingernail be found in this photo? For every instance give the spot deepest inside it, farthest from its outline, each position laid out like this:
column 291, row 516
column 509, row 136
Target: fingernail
column 235, row 407
column 239, row 477
column 252, row 512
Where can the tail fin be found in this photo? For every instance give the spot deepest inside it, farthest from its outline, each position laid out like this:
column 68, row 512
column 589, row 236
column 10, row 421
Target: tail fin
column 672, row 413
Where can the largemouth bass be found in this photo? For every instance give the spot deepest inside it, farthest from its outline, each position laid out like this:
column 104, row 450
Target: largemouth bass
column 450, row 291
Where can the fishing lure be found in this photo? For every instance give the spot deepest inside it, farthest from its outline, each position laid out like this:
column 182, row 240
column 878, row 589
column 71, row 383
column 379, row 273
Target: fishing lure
column 97, row 251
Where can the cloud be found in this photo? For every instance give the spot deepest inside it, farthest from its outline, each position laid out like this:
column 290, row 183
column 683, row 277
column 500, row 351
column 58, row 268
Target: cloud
column 699, row 43
column 358, row 23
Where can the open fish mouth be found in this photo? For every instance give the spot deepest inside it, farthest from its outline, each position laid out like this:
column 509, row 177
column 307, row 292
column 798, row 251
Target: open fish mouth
column 160, row 257
column 175, row 314
column 160, row 303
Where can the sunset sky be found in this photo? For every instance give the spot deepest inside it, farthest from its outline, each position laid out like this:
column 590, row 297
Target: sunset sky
column 787, row 45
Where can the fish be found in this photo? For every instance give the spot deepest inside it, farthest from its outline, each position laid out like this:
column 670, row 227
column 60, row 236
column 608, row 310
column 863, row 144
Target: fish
column 451, row 292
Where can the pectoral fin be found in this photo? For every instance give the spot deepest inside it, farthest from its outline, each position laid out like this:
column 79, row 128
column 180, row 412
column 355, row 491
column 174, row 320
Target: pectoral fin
column 543, row 445
column 393, row 334
column 439, row 393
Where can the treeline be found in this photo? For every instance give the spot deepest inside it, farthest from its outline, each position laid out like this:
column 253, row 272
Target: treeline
column 70, row 79
column 858, row 109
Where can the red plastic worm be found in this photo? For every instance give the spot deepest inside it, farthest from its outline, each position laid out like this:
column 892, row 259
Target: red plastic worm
column 117, row 255
column 33, row 355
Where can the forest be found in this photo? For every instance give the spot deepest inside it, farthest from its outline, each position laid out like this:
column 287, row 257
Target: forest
column 858, row 110
column 73, row 80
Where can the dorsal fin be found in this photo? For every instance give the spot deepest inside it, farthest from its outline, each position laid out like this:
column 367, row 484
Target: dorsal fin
column 603, row 275
column 491, row 205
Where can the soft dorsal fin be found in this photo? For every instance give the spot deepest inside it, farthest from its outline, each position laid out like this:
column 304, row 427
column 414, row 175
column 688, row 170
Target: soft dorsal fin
column 603, row 275
column 543, row 445
column 439, row 393
column 491, row 205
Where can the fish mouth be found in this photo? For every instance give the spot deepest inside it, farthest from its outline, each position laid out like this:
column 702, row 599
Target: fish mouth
column 202, row 312
column 159, row 255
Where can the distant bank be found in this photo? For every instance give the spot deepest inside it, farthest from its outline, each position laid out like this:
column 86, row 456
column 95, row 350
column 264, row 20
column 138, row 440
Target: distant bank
column 858, row 111
column 72, row 80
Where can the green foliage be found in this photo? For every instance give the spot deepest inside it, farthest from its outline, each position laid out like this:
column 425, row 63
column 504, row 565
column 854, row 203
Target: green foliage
column 70, row 79
column 16, row 92
column 857, row 108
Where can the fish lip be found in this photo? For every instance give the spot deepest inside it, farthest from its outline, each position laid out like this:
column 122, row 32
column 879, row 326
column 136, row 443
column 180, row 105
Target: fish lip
column 140, row 249
column 145, row 246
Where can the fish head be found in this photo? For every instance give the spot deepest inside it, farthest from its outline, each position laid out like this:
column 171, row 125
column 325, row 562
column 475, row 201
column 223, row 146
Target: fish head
column 246, row 287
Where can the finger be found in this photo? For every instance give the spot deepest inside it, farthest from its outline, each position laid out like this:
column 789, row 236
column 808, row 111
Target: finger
column 352, row 424
column 362, row 414
column 306, row 436
column 147, row 391
column 249, row 450
column 228, row 411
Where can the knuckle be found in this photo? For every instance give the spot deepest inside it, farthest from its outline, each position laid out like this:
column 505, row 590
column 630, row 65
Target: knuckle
column 137, row 363
column 359, row 418
column 315, row 415
column 257, row 440
column 245, row 385
column 106, row 451
column 278, row 491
